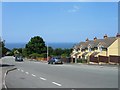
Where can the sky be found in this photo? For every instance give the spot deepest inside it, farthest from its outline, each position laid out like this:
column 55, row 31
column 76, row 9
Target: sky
column 58, row 21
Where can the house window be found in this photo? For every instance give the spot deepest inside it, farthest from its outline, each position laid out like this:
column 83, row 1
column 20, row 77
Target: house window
column 89, row 49
column 79, row 50
column 100, row 48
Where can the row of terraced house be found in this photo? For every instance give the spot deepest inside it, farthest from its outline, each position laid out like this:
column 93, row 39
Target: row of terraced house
column 105, row 50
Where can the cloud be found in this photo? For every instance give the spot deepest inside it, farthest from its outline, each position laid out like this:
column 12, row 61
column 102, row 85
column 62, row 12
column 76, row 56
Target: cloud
column 75, row 8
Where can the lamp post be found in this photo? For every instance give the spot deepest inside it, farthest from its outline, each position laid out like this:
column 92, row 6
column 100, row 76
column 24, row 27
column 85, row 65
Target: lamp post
column 0, row 47
column 47, row 52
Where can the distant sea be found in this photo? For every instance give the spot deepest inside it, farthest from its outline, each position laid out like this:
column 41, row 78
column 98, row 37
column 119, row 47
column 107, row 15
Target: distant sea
column 53, row 45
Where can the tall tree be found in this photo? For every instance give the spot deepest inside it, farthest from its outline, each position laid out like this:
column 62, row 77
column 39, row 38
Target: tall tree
column 3, row 49
column 57, row 52
column 35, row 45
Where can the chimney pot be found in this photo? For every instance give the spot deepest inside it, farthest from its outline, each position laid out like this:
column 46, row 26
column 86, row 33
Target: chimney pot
column 87, row 39
column 95, row 38
column 118, row 35
column 105, row 36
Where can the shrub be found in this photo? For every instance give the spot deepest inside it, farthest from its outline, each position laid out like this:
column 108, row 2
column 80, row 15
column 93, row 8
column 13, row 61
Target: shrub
column 81, row 60
column 34, row 55
column 84, row 60
column 43, row 55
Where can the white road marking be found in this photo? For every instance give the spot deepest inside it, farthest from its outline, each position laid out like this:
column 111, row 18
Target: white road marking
column 22, row 70
column 57, row 84
column 18, row 69
column 101, row 66
column 33, row 75
column 43, row 78
column 26, row 72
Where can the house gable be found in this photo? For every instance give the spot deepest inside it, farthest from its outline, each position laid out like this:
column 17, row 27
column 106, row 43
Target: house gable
column 114, row 49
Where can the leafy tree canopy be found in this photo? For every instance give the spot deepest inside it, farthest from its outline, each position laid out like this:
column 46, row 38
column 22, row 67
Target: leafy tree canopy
column 3, row 49
column 35, row 45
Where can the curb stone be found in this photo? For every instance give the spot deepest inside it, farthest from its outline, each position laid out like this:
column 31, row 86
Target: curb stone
column 6, row 72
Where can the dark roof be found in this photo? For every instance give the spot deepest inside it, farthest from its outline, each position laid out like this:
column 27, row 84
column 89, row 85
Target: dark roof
column 95, row 43
column 108, row 41
column 94, row 53
column 84, row 53
column 76, row 54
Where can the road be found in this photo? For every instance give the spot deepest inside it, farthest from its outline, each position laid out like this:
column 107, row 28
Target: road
column 34, row 74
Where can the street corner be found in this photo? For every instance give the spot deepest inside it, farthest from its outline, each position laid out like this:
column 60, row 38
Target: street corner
column 0, row 78
column 4, row 69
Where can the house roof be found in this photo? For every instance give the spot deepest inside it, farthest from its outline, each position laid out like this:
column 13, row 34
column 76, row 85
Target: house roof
column 95, row 43
column 94, row 53
column 84, row 53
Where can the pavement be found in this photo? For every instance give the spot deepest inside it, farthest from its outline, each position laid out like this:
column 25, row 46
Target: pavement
column 35, row 74
column 4, row 69
column 0, row 75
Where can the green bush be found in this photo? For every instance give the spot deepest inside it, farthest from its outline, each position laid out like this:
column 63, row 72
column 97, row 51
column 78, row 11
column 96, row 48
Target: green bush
column 43, row 55
column 84, row 60
column 81, row 60
column 36, row 55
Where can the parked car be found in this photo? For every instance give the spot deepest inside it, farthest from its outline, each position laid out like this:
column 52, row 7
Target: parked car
column 55, row 60
column 18, row 58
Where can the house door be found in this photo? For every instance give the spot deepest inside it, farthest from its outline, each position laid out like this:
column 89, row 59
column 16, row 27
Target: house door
column 73, row 60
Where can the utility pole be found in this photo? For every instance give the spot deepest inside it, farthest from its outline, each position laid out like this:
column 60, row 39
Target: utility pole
column 0, row 47
column 47, row 52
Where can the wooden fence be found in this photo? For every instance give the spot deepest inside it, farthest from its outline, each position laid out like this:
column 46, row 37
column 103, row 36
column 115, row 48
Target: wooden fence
column 114, row 59
column 94, row 59
column 66, row 60
column 105, row 59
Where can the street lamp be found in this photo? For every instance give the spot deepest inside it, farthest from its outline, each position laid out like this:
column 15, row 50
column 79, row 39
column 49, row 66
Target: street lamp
column 47, row 52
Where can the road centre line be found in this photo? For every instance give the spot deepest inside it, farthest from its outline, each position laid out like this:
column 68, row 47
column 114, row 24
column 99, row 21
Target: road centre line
column 27, row 72
column 43, row 78
column 33, row 75
column 57, row 84
column 40, row 77
column 22, row 70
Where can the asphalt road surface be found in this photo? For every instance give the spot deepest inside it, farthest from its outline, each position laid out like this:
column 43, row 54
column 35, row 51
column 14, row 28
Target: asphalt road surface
column 34, row 74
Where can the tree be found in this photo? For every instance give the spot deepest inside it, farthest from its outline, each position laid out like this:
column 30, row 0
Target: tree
column 57, row 52
column 50, row 51
column 67, row 52
column 64, row 55
column 24, row 52
column 16, row 51
column 3, row 48
column 35, row 45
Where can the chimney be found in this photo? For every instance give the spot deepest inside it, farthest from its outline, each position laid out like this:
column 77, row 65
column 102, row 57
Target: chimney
column 105, row 36
column 118, row 35
column 95, row 38
column 87, row 40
